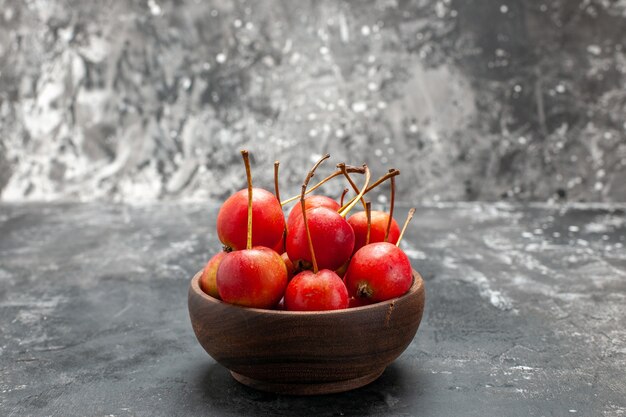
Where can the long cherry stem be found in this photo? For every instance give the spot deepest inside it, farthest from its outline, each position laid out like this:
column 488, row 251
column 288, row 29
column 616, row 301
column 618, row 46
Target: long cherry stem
column 391, row 204
column 246, row 161
column 337, row 173
column 303, row 206
column 344, row 171
column 406, row 223
column 276, row 191
column 368, row 213
column 344, row 212
column 392, row 173
column 345, row 191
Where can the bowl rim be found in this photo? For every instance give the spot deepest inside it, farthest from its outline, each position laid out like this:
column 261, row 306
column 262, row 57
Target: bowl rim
column 417, row 286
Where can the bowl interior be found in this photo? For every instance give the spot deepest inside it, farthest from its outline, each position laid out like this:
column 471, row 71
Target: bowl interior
column 417, row 287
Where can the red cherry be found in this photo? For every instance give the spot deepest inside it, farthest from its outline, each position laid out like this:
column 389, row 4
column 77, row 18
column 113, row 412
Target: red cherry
column 359, row 302
column 291, row 268
column 379, row 271
column 358, row 221
column 207, row 279
column 309, row 203
column 331, row 235
column 310, row 291
column 280, row 246
column 318, row 289
column 268, row 220
column 254, row 277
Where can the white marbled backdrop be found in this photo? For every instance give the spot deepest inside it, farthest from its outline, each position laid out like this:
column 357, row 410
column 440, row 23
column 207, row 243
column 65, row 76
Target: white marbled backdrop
column 144, row 100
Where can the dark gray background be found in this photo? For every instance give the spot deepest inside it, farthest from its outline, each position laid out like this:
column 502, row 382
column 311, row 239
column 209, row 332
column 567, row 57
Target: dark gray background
column 472, row 100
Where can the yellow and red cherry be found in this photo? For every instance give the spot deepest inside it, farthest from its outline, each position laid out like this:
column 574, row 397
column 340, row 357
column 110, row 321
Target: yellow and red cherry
column 315, row 290
column 377, row 272
column 310, row 203
column 378, row 229
column 254, row 276
column 359, row 302
column 208, row 282
column 380, row 226
column 310, row 291
column 280, row 246
column 291, row 268
column 268, row 220
column 332, row 237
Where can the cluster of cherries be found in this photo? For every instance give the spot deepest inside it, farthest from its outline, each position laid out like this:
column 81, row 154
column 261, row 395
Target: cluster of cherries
column 317, row 259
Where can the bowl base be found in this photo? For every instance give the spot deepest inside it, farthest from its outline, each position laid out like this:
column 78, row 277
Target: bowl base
column 305, row 388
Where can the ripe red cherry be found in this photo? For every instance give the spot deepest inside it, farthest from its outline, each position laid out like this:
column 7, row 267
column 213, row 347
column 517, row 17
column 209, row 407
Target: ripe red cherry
column 254, row 277
column 280, row 246
column 309, row 203
column 358, row 221
column 310, row 291
column 379, row 271
column 208, row 282
column 326, row 236
column 268, row 220
column 331, row 235
column 359, row 302
column 318, row 289
column 291, row 268
column 295, row 216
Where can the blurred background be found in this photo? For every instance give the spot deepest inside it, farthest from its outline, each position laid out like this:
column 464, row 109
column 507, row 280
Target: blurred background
column 139, row 101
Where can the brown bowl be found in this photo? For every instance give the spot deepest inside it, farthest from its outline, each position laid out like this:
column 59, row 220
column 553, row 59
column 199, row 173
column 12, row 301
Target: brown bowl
column 305, row 353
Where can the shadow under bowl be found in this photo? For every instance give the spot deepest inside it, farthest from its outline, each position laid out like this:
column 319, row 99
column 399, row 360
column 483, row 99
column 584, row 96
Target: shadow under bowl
column 306, row 353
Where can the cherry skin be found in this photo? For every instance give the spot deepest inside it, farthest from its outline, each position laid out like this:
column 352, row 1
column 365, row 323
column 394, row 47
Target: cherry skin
column 309, row 291
column 208, row 282
column 280, row 246
column 379, row 221
column 268, row 220
column 332, row 237
column 379, row 271
column 254, row 277
column 291, row 268
column 311, row 202
column 359, row 302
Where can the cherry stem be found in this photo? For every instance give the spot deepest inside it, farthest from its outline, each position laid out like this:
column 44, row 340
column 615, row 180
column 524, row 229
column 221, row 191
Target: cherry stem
column 343, row 169
column 344, row 212
column 368, row 213
column 345, row 191
column 303, row 206
column 392, row 173
column 393, row 199
column 350, row 169
column 246, row 161
column 276, row 164
column 406, row 223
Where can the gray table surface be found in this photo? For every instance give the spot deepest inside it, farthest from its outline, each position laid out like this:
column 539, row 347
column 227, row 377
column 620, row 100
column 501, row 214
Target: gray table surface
column 525, row 315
